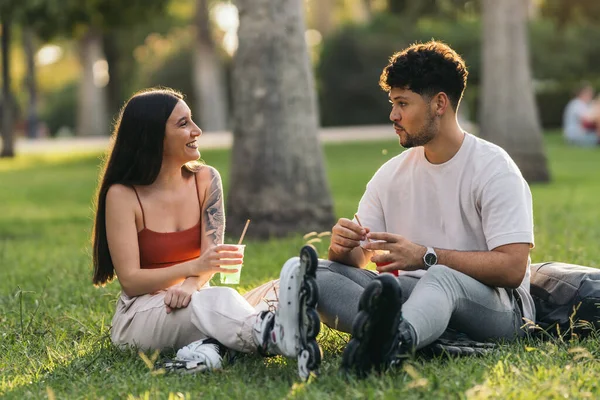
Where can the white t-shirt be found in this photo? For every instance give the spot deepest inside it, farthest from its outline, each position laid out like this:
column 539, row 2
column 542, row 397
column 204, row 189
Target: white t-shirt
column 476, row 201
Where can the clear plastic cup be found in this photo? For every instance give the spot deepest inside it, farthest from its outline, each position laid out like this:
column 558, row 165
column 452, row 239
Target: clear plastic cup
column 233, row 278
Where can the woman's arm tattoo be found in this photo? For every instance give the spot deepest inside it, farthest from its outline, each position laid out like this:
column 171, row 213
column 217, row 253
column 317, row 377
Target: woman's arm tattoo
column 213, row 213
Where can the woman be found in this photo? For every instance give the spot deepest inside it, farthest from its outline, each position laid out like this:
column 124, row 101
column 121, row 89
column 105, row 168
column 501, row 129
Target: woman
column 159, row 227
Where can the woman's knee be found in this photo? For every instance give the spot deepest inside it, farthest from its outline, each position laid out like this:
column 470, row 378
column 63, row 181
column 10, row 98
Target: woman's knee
column 215, row 292
column 213, row 297
column 219, row 300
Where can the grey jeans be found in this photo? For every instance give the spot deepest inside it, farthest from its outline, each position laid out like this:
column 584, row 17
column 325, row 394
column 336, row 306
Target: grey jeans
column 443, row 298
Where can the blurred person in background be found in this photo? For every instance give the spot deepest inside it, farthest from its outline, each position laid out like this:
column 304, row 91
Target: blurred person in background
column 593, row 116
column 159, row 227
column 580, row 119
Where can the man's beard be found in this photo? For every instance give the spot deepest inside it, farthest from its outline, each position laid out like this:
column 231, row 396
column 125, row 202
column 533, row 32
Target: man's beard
column 423, row 135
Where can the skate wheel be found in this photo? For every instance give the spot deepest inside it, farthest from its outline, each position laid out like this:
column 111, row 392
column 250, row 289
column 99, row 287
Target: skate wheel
column 309, row 259
column 361, row 325
column 356, row 360
column 312, row 323
column 349, row 357
column 314, row 352
column 311, row 291
column 369, row 297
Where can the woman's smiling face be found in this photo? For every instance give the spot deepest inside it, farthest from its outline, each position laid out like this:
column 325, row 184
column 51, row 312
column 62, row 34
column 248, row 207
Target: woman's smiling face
column 181, row 132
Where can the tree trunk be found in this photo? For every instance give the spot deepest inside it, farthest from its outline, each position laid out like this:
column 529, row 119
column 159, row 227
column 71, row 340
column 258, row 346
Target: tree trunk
column 508, row 110
column 92, row 115
column 8, row 145
column 209, row 82
column 277, row 177
column 114, row 89
column 32, row 109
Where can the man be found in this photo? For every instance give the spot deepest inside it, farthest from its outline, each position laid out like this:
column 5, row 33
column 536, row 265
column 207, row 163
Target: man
column 578, row 127
column 452, row 215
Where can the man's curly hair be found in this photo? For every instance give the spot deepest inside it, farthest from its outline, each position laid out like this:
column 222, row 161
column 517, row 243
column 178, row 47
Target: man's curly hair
column 427, row 69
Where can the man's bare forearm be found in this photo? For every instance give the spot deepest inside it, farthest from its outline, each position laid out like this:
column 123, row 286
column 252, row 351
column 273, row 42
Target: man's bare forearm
column 355, row 258
column 502, row 267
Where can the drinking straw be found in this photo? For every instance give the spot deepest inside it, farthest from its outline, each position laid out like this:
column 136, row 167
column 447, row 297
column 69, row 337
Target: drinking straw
column 244, row 232
column 358, row 220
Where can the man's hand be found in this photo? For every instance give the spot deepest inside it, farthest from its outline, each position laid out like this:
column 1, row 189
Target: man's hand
column 403, row 254
column 180, row 296
column 346, row 236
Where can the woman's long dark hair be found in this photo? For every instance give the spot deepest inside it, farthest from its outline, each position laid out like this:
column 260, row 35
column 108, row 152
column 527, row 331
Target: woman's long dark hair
column 134, row 158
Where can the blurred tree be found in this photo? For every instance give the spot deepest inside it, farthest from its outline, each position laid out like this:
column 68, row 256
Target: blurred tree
column 92, row 111
column 209, row 81
column 508, row 111
column 98, row 16
column 7, row 111
column 566, row 12
column 327, row 15
column 413, row 10
column 87, row 21
column 29, row 47
column 277, row 177
column 112, row 52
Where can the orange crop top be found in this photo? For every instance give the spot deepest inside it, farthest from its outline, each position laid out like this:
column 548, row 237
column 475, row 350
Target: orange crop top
column 163, row 249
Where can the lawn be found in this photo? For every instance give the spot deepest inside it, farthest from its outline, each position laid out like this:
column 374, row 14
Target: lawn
column 54, row 324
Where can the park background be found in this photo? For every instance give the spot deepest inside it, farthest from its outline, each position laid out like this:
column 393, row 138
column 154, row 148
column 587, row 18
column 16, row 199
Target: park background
column 68, row 66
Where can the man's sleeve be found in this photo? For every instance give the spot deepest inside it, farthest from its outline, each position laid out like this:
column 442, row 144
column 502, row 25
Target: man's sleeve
column 507, row 211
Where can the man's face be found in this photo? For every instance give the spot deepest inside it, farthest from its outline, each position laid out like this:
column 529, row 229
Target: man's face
column 413, row 118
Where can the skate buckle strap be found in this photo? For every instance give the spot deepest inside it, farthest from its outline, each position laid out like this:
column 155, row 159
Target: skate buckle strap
column 266, row 322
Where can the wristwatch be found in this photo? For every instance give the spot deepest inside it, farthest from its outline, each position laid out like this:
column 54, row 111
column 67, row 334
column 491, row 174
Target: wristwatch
column 430, row 258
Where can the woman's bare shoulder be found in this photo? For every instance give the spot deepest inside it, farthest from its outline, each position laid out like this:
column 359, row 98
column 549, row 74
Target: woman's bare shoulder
column 121, row 194
column 207, row 176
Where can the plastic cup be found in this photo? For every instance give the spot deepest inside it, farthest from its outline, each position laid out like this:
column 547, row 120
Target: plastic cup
column 381, row 264
column 393, row 272
column 233, row 278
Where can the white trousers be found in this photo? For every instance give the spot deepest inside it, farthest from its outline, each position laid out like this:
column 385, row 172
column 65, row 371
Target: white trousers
column 219, row 312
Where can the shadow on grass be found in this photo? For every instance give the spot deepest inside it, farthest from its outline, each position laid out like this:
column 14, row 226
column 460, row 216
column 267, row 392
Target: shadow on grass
column 109, row 372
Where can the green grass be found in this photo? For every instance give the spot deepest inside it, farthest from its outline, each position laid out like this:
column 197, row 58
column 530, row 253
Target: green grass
column 54, row 323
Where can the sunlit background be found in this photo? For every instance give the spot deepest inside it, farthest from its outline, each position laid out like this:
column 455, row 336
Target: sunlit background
column 348, row 41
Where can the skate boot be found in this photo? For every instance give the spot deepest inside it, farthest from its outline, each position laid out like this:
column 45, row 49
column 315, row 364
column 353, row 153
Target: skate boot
column 380, row 337
column 291, row 330
column 199, row 356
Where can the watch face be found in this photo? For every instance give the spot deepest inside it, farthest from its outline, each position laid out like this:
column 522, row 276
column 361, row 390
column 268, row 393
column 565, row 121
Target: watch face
column 430, row 259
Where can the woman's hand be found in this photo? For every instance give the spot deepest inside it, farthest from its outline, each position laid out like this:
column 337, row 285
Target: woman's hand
column 212, row 259
column 180, row 296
